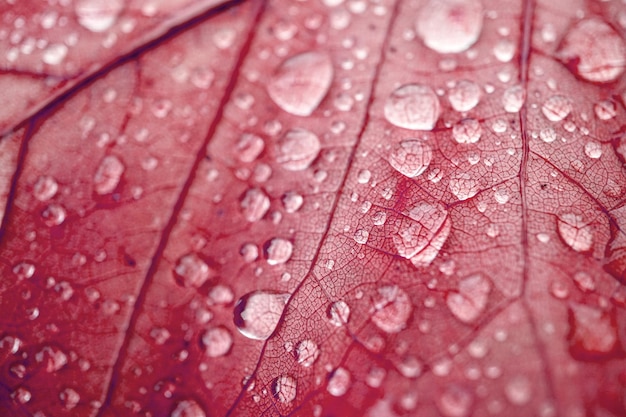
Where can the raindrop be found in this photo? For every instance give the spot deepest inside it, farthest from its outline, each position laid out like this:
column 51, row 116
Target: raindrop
column 292, row 201
column 53, row 215
column 307, row 352
column 410, row 157
column 379, row 218
column 364, row 176
column 463, row 186
column 593, row 150
column 449, row 26
column 548, row 135
column 410, row 367
column 257, row 314
column 54, row 54
column 592, row 333
column 464, row 96
column 277, row 251
column 339, row 382
column 53, row 358
column 504, row 51
column 577, row 234
column 108, row 175
column 160, row 335
column 392, row 308
column 297, row 149
column 556, row 108
column 249, row 147
column 513, row 98
column 471, row 299
column 217, row 342
column 605, row 109
column 501, row 195
column 413, row 106
column 338, row 313
column 518, row 390
column 255, row 204
column 191, row 271
column 301, row 82
column 584, row 281
column 467, row 131
column 45, row 188
column 69, row 398
column 98, row 15
column 455, row 402
column 188, row 408
column 285, row 389
column 361, row 236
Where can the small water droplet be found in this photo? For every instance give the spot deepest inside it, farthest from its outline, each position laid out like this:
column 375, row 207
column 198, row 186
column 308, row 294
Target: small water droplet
column 392, row 308
column 364, row 175
column 410, row 367
column 592, row 334
column 513, row 98
column 108, row 175
column 188, row 408
column 518, row 390
column 464, row 96
column 556, row 108
column 584, row 281
column 217, row 342
column 413, row 106
column 297, row 149
column 285, row 389
column 45, row 188
column 455, row 401
column 379, row 218
column 301, row 82
column 160, row 335
column 605, row 109
column 224, row 38
column 577, row 234
column 255, row 204
column 593, row 150
column 339, row 382
column 361, row 236
column 292, row 201
column 220, row 295
column 467, row 131
column 471, row 299
column 338, row 313
column 202, row 77
column 249, row 252
column 284, row 30
column 24, row 270
column 69, row 398
column 257, row 314
column 21, row 395
column 504, row 51
column 249, row 147
column 277, row 251
column 192, row 271
column 307, row 352
column 410, row 157
column 450, row 26
column 548, row 135
column 53, row 215
column 463, row 186
column 501, row 195
column 96, row 15
column 53, row 358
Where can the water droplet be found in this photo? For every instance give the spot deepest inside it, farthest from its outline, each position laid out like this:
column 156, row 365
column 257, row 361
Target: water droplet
column 284, row 30
column 188, row 408
column 410, row 367
column 593, row 150
column 379, row 218
column 594, row 51
column 257, row 314
column 292, row 201
column 463, row 186
column 556, row 108
column 21, row 395
column 301, row 82
column 392, row 308
column 548, row 135
column 413, row 106
column 191, row 271
column 338, row 313
column 54, row 54
column 364, row 175
column 605, row 109
column 410, row 157
column 53, row 358
column 69, row 398
column 255, row 204
column 455, row 401
column 297, row 149
column 202, row 77
column 249, row 252
column 504, row 51
column 220, row 295
column 471, row 299
column 518, row 390
column 467, row 131
column 339, row 382
column 361, row 236
column 285, row 389
column 217, row 342
column 501, row 195
column 108, row 175
column 224, row 38
column 513, row 98
column 10, row 345
column 593, row 333
column 450, row 26
column 45, row 188
column 249, row 147
column 584, row 281
column 53, row 215
column 307, row 352
column 277, row 251
column 96, row 15
column 464, row 96
column 160, row 335
column 577, row 234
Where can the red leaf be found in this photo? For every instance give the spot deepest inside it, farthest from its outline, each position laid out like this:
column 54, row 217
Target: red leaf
column 322, row 208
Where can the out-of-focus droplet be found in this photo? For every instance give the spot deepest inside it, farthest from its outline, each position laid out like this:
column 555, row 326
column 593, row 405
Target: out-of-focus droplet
column 548, row 135
column 379, row 218
column 53, row 358
column 467, row 131
column 605, row 109
column 301, row 82
column 257, row 314
column 593, row 333
column 278, row 251
column 504, row 51
column 413, row 106
column 53, row 215
column 556, row 108
column 338, row 313
column 307, row 352
column 469, row 302
column 339, row 382
column 297, row 149
column 585, row 281
column 450, row 26
column 292, row 201
column 45, row 188
column 255, row 204
column 513, row 98
column 463, row 186
column 593, row 150
column 217, row 342
column 410, row 157
column 191, row 271
column 361, row 236
column 188, row 408
column 285, row 388
column 518, row 390
column 577, row 234
column 464, row 96
column 98, row 15
column 392, row 308
column 455, row 401
column 69, row 398
column 108, row 175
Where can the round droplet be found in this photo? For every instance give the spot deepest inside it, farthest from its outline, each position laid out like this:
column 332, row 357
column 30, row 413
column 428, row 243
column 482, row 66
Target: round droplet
column 45, row 188
column 548, row 135
column 277, row 251
column 191, row 271
column 301, row 82
column 361, row 236
column 455, row 401
column 188, row 408
column 249, row 147
column 292, row 201
column 592, row 334
column 411, row 157
column 467, row 131
column 518, row 390
column 594, row 51
column 449, row 26
column 413, row 106
column 577, row 234
column 98, row 15
column 392, row 308
column 217, row 342
column 297, row 149
column 220, row 295
column 54, row 54
column 338, row 313
column 593, row 150
column 501, row 195
column 53, row 215
column 285, row 389
column 379, row 218
column 255, row 204
column 464, row 96
column 504, row 51
column 471, row 299
column 585, row 281
column 364, row 175
column 69, row 398
column 605, row 109
column 257, row 314
column 513, row 99
column 307, row 352
column 463, row 186
column 410, row 367
column 108, row 175
column 21, row 395
column 556, row 108
column 339, row 382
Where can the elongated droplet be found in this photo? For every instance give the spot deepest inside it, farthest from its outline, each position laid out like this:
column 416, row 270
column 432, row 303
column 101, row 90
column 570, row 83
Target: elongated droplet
column 98, row 15
column 392, row 308
column 575, row 232
column 297, row 149
column 449, row 26
column 217, row 341
column 188, row 408
column 255, row 204
column 108, row 175
column 464, row 96
column 411, row 157
column 471, row 299
column 307, row 352
column 257, row 314
column 285, row 389
column 339, row 382
column 556, row 108
column 414, row 107
column 301, row 82
column 593, row 334
column 422, row 234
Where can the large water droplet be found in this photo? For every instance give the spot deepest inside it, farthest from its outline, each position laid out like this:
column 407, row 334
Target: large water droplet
column 188, row 408
column 594, row 51
column 471, row 299
column 449, row 26
column 411, row 157
column 191, row 271
column 575, row 232
column 513, row 99
column 285, row 388
column 455, row 401
column 98, row 15
column 255, row 204
column 277, row 251
column 518, row 390
column 257, row 314
column 464, row 96
column 392, row 308
column 217, row 341
column 338, row 313
column 108, row 175
column 593, row 150
column 307, row 352
column 297, row 149
column 413, row 106
column 463, row 186
column 467, row 131
column 301, row 82
column 361, row 236
column 592, row 334
column 556, row 108
column 339, row 382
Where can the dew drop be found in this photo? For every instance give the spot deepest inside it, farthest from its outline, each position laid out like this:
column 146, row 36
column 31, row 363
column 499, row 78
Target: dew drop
column 413, row 106
column 463, row 186
column 593, row 150
column 69, row 398
column 21, row 395
column 575, row 232
column 53, row 215
column 584, row 281
column 450, row 26
column 392, row 308
column 361, row 236
column 220, row 295
column 364, row 175
column 257, row 314
column 217, row 342
column 98, row 15
column 464, row 96
column 297, row 149
column 605, row 109
column 379, row 218
column 160, row 335
column 421, row 236
column 53, row 358
column 54, row 54
column 191, row 271
column 339, row 382
column 518, row 390
column 411, row 157
column 285, row 389
column 338, row 313
column 471, row 299
column 513, row 99
column 307, row 352
column 467, row 131
column 255, row 204
column 45, row 188
column 249, row 252
column 202, row 77
column 410, row 367
column 224, row 38
column 277, row 251
column 301, row 82
column 455, row 401
column 504, row 51
column 592, row 334
column 501, row 196
column 556, row 108
column 249, row 147
column 188, row 408
column 292, row 201
column 108, row 175
column 548, row 135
